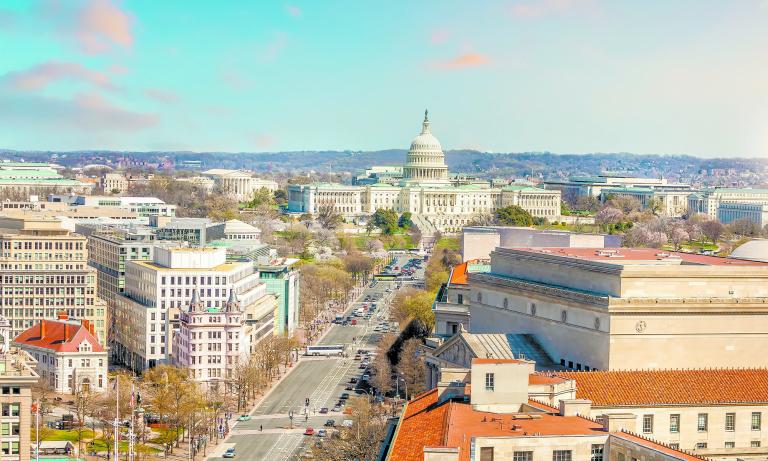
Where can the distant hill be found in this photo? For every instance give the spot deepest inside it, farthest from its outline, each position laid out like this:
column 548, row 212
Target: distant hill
column 538, row 164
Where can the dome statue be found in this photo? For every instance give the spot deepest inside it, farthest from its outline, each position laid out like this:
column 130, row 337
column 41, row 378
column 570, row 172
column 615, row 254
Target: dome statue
column 425, row 163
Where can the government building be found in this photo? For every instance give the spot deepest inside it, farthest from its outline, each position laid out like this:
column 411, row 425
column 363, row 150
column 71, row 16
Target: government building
column 426, row 190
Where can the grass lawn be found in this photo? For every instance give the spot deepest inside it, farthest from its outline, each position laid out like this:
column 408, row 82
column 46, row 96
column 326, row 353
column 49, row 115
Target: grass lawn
column 451, row 243
column 71, row 436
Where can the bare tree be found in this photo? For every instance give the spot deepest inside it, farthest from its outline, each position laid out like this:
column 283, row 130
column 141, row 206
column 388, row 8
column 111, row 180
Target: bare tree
column 713, row 230
column 411, row 367
column 362, row 440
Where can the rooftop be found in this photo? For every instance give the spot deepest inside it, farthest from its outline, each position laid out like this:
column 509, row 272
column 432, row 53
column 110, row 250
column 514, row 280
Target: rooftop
column 460, row 271
column 59, row 335
column 670, row 387
column 627, row 256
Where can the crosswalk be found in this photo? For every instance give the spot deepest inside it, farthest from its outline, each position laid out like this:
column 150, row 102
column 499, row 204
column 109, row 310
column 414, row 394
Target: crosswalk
column 285, row 446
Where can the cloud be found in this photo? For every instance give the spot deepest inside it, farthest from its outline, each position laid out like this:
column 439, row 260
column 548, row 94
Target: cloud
column 117, row 69
column 96, row 26
column 439, row 36
column 274, row 47
column 462, row 61
column 264, row 141
column 293, row 10
column 84, row 112
column 40, row 76
column 541, row 8
column 160, row 95
column 235, row 80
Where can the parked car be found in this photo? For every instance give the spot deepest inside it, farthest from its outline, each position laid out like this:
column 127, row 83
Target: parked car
column 330, row 423
column 324, row 410
column 229, row 453
column 344, row 396
column 244, row 418
column 337, row 408
column 309, row 431
column 322, row 433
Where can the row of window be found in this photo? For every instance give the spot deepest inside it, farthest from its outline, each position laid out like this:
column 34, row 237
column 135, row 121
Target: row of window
column 702, row 422
column 487, row 454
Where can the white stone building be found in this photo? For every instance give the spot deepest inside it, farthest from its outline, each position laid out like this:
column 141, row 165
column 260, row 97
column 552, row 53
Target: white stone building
column 707, row 202
column 240, row 184
column 68, row 355
column 155, row 291
column 426, row 191
column 211, row 342
column 755, row 212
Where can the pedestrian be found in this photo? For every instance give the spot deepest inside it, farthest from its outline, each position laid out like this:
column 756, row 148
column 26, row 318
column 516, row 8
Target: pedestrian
column 261, row 428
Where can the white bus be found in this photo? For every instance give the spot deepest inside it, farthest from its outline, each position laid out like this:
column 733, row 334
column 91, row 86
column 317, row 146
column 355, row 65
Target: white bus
column 325, row 349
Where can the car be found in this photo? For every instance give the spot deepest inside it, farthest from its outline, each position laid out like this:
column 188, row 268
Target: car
column 349, row 388
column 330, row 423
column 324, row 410
column 229, row 453
column 363, row 366
column 337, row 408
column 353, row 380
column 357, row 357
column 322, row 433
column 354, row 322
column 244, row 418
column 344, row 396
column 309, row 431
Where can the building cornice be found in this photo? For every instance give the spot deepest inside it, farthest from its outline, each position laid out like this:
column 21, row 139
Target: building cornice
column 494, row 280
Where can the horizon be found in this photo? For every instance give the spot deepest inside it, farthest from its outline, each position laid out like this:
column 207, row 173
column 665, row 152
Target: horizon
column 567, row 77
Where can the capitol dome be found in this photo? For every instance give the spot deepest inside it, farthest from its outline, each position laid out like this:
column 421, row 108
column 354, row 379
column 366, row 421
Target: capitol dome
column 754, row 250
column 425, row 162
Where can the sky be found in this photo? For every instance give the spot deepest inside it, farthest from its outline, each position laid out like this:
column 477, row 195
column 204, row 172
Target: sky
column 566, row 76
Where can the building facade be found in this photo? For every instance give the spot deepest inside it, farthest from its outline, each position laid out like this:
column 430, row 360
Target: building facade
column 195, row 231
column 708, row 201
column 593, row 186
column 211, row 342
column 241, row 185
column 33, row 178
column 282, row 278
column 69, row 357
column 44, row 270
column 627, row 308
column 426, row 190
column 155, row 291
column 755, row 212
column 669, row 200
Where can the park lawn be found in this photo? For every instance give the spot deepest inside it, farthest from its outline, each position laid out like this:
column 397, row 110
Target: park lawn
column 451, row 243
column 101, row 445
column 59, row 435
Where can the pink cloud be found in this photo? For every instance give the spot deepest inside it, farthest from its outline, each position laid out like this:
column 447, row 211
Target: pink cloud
column 274, row 47
column 96, row 26
column 439, row 36
column 293, row 10
column 235, row 80
column 40, row 76
column 94, row 110
column 161, row 95
column 462, row 61
column 117, row 69
column 541, row 8
column 264, row 141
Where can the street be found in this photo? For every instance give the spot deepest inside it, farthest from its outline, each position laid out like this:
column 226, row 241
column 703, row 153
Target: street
column 268, row 435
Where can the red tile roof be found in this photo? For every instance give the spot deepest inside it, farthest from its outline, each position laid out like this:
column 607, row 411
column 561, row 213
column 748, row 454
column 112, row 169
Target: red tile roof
column 60, row 336
column 545, row 378
column 543, row 406
column 627, row 255
column 459, row 274
column 429, row 423
column 673, row 387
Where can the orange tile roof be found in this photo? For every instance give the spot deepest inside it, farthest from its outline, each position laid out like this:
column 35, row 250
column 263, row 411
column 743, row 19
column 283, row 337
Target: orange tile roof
column 671, row 387
column 545, row 378
column 654, row 445
column 543, row 406
column 55, row 337
column 459, row 274
column 429, row 423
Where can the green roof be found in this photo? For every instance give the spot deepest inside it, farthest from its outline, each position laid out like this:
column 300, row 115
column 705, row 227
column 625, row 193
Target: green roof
column 526, row 188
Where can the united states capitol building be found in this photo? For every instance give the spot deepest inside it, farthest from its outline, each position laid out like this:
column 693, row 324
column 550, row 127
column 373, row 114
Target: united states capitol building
column 424, row 188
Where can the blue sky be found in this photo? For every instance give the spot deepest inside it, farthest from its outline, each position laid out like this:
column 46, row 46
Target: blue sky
column 568, row 76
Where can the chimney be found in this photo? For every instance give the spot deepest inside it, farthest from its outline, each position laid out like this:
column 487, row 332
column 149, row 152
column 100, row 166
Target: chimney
column 87, row 325
column 42, row 329
column 615, row 422
column 66, row 332
column 574, row 407
column 63, row 315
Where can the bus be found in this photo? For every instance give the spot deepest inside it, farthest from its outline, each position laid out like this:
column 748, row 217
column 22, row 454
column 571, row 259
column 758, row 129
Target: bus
column 325, row 349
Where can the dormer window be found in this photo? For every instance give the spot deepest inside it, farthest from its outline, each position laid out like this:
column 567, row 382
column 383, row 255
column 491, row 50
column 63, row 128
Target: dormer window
column 85, row 347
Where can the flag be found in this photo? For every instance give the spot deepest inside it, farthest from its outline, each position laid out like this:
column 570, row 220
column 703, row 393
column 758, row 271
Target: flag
column 133, row 395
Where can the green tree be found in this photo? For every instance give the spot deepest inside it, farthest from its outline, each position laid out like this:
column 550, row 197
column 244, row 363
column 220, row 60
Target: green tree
column 514, row 215
column 261, row 197
column 412, row 303
column 281, row 197
column 405, row 220
column 328, row 217
column 385, row 220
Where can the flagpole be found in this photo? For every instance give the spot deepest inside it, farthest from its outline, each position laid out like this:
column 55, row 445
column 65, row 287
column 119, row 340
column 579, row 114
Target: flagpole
column 37, row 431
column 117, row 416
column 131, row 434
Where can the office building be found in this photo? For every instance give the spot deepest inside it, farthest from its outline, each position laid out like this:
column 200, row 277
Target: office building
column 708, row 201
column 593, row 186
column 241, row 185
column 44, row 270
column 626, row 308
column 195, row 231
column 754, row 212
column 282, row 278
column 36, row 178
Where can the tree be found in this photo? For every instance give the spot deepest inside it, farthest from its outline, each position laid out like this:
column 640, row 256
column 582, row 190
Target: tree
column 745, row 227
column 411, row 367
column 655, row 206
column 382, row 379
column 608, row 216
column 328, row 217
column 261, row 197
column 514, row 215
column 358, row 264
column 642, row 236
column 625, row 204
column 678, row 236
column 281, row 197
column 405, row 220
column 220, row 207
column 412, row 303
column 360, row 441
column 83, row 406
column 713, row 230
column 587, row 203
column 385, row 220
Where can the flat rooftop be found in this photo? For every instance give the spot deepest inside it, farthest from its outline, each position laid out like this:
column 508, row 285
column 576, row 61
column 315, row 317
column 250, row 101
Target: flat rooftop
column 630, row 256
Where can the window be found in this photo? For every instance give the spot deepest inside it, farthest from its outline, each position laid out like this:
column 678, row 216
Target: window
column 620, row 457
column 756, row 423
column 489, row 378
column 647, row 424
column 730, row 445
column 486, row 454
column 597, row 452
column 701, row 446
column 701, row 425
column 522, row 456
column 730, row 422
column 460, row 298
column 754, row 444
column 674, row 424
column 561, row 455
